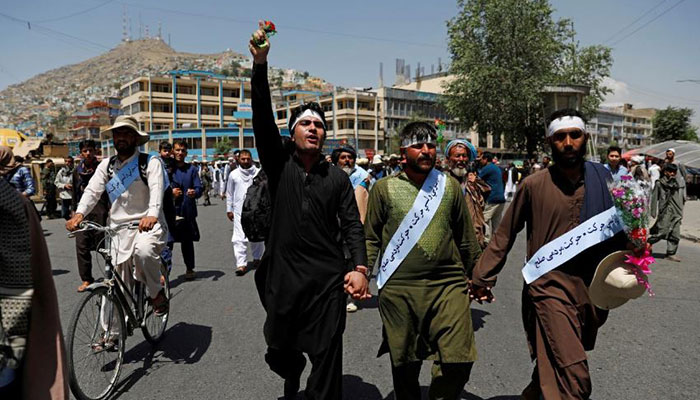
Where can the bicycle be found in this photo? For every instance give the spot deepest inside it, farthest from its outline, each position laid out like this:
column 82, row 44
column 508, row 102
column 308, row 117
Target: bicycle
column 104, row 318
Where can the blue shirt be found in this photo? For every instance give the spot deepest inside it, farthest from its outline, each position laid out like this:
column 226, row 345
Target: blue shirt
column 493, row 176
column 22, row 181
column 621, row 170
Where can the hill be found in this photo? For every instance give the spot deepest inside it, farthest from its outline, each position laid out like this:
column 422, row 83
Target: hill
column 45, row 99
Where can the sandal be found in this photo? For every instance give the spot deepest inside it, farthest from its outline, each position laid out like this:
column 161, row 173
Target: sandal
column 110, row 343
column 160, row 304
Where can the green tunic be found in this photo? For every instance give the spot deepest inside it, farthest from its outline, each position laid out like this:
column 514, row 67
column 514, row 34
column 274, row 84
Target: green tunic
column 424, row 305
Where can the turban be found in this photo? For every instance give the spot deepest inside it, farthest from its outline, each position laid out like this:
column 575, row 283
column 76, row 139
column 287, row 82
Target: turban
column 470, row 148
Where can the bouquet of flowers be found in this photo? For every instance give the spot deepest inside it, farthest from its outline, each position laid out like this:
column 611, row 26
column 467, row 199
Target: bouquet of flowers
column 631, row 199
column 270, row 30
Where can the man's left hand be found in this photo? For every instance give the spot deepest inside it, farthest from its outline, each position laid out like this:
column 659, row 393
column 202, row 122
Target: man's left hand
column 191, row 193
column 147, row 223
column 357, row 285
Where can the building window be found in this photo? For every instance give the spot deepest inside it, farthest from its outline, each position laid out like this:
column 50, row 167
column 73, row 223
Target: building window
column 160, row 87
column 162, row 107
column 248, row 142
column 482, row 141
column 161, row 126
column 185, row 89
column 234, row 93
column 228, row 111
column 364, row 124
column 185, row 109
column 210, row 110
column 208, row 91
column 282, row 114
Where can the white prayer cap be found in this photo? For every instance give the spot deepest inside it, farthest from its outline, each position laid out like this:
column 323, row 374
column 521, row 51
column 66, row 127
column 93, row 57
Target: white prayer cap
column 672, row 150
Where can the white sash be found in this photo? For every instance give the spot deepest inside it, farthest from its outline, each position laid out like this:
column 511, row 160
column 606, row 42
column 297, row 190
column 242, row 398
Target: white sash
column 413, row 225
column 122, row 179
column 594, row 230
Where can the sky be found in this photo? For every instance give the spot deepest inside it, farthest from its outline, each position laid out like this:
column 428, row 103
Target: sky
column 655, row 42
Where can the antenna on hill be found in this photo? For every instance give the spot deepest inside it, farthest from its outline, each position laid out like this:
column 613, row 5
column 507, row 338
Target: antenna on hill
column 148, row 35
column 160, row 37
column 125, row 34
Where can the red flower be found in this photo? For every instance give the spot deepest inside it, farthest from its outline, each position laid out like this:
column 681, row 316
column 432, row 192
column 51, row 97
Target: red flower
column 639, row 234
column 269, row 26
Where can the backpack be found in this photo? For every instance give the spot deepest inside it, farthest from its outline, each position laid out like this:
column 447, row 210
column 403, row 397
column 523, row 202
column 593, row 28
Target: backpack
column 168, row 199
column 256, row 216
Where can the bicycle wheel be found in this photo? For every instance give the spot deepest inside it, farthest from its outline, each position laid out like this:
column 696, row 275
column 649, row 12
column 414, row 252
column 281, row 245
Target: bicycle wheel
column 153, row 326
column 93, row 364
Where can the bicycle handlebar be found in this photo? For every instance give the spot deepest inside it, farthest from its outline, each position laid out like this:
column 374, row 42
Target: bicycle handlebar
column 93, row 226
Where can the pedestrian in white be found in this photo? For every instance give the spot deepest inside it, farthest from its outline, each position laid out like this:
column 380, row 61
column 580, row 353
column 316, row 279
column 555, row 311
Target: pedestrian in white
column 217, row 174
column 239, row 180
column 655, row 172
column 230, row 167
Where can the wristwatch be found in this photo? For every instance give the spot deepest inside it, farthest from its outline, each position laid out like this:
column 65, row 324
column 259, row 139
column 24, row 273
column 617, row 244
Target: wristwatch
column 367, row 273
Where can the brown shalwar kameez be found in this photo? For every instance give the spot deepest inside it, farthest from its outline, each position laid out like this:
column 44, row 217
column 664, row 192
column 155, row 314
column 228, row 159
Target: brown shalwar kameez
column 560, row 321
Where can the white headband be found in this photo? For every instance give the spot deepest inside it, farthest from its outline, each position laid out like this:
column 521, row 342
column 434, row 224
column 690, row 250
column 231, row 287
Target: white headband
column 564, row 123
column 307, row 113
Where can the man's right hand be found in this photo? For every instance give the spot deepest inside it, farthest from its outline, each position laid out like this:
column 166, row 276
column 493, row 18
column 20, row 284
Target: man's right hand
column 229, row 214
column 72, row 224
column 259, row 54
column 177, row 192
column 480, row 293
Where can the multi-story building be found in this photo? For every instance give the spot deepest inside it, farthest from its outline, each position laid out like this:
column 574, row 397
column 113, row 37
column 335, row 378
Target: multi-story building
column 187, row 99
column 606, row 127
column 624, row 125
column 419, row 99
column 351, row 115
column 638, row 126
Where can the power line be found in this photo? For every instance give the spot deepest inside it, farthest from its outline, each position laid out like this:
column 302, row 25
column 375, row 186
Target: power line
column 634, row 22
column 254, row 23
column 660, row 95
column 85, row 11
column 648, row 22
column 45, row 30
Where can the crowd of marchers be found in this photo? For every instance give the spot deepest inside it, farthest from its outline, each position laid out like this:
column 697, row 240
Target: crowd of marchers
column 435, row 234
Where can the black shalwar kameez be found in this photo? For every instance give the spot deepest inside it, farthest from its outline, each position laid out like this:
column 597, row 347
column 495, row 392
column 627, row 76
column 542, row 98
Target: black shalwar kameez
column 300, row 280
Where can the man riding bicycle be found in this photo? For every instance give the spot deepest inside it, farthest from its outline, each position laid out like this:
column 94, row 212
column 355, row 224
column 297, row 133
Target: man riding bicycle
column 135, row 186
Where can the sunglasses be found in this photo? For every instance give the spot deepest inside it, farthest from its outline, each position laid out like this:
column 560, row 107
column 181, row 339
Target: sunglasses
column 561, row 136
column 307, row 122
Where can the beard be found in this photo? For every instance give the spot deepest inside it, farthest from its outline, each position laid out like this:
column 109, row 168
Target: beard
column 347, row 169
column 124, row 148
column 458, row 171
column 414, row 165
column 569, row 159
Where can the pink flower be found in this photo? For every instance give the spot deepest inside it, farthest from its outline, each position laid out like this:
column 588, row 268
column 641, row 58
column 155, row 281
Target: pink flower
column 618, row 192
column 626, row 178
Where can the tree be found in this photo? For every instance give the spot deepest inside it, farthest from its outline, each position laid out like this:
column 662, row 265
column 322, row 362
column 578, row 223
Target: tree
column 223, row 146
column 674, row 124
column 503, row 54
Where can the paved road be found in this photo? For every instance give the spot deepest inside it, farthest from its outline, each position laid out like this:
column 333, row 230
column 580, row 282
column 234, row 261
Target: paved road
column 648, row 349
